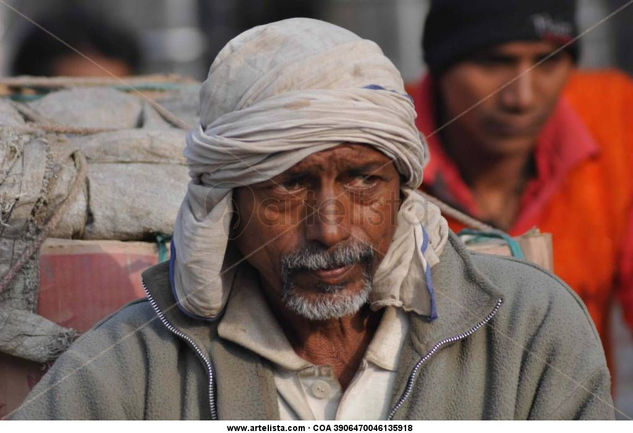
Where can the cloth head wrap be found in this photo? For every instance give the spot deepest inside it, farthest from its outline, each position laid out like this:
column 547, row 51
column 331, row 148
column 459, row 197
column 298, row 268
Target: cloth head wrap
column 274, row 95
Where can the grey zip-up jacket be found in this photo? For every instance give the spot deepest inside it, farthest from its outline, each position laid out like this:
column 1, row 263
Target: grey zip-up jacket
column 511, row 342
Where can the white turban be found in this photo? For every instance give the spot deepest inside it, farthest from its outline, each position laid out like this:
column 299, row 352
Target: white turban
column 274, row 95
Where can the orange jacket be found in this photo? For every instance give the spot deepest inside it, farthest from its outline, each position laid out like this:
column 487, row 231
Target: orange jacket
column 586, row 202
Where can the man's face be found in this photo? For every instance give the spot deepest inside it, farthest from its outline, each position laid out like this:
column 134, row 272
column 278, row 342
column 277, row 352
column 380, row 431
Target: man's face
column 509, row 120
column 317, row 232
column 74, row 65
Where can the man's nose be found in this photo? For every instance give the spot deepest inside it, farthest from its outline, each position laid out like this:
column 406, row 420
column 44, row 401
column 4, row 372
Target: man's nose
column 519, row 94
column 328, row 217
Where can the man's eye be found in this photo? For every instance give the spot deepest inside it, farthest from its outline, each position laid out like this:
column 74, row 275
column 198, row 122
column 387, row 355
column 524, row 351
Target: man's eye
column 290, row 185
column 551, row 59
column 491, row 60
column 363, row 181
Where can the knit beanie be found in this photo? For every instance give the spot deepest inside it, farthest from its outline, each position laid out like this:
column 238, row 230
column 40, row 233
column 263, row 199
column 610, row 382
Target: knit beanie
column 455, row 28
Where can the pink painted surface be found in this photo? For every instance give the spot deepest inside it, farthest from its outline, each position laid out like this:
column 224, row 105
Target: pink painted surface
column 81, row 282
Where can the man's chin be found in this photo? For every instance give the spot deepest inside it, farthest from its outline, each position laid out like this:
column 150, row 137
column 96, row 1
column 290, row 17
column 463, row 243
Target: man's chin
column 508, row 145
column 327, row 304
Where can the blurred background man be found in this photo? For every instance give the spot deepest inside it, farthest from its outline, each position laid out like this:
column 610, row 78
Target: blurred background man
column 519, row 138
column 105, row 47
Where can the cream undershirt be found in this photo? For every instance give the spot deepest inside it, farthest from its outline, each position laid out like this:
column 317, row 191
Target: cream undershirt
column 306, row 391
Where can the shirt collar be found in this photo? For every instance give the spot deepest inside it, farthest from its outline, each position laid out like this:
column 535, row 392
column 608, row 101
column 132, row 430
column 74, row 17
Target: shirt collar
column 384, row 349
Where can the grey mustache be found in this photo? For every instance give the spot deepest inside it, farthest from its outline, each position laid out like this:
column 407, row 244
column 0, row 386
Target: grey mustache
column 314, row 258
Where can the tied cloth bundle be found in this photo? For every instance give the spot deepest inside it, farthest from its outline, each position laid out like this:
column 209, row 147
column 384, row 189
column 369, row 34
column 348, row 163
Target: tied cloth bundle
column 274, row 95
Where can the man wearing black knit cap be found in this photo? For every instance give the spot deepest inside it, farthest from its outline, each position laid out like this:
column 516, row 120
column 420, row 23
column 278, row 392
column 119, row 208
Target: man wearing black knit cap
column 519, row 139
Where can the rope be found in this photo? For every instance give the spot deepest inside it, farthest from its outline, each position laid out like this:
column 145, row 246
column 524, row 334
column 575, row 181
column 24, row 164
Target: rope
column 168, row 115
column 458, row 215
column 162, row 240
column 479, row 236
column 76, row 187
column 60, row 129
column 30, row 114
column 57, row 82
column 17, row 153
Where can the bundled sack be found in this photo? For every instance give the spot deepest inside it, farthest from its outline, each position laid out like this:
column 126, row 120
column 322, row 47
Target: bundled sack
column 81, row 164
column 136, row 176
column 136, row 181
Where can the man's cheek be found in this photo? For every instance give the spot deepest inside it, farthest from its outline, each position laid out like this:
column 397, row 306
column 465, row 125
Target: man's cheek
column 268, row 215
column 374, row 217
column 385, row 210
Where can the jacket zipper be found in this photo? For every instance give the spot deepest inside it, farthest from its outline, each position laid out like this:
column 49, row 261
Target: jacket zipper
column 205, row 360
column 435, row 348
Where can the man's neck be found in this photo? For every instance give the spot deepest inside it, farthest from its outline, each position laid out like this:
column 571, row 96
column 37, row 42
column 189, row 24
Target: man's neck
column 340, row 343
column 496, row 181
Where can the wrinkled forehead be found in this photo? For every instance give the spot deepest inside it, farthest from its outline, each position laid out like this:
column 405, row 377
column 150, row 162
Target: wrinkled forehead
column 344, row 158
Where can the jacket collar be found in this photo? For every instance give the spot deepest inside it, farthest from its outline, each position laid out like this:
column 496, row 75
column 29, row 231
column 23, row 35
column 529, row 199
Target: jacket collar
column 158, row 287
column 464, row 298
column 236, row 396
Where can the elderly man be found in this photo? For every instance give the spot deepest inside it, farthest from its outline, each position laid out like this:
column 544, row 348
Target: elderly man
column 308, row 279
column 519, row 139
